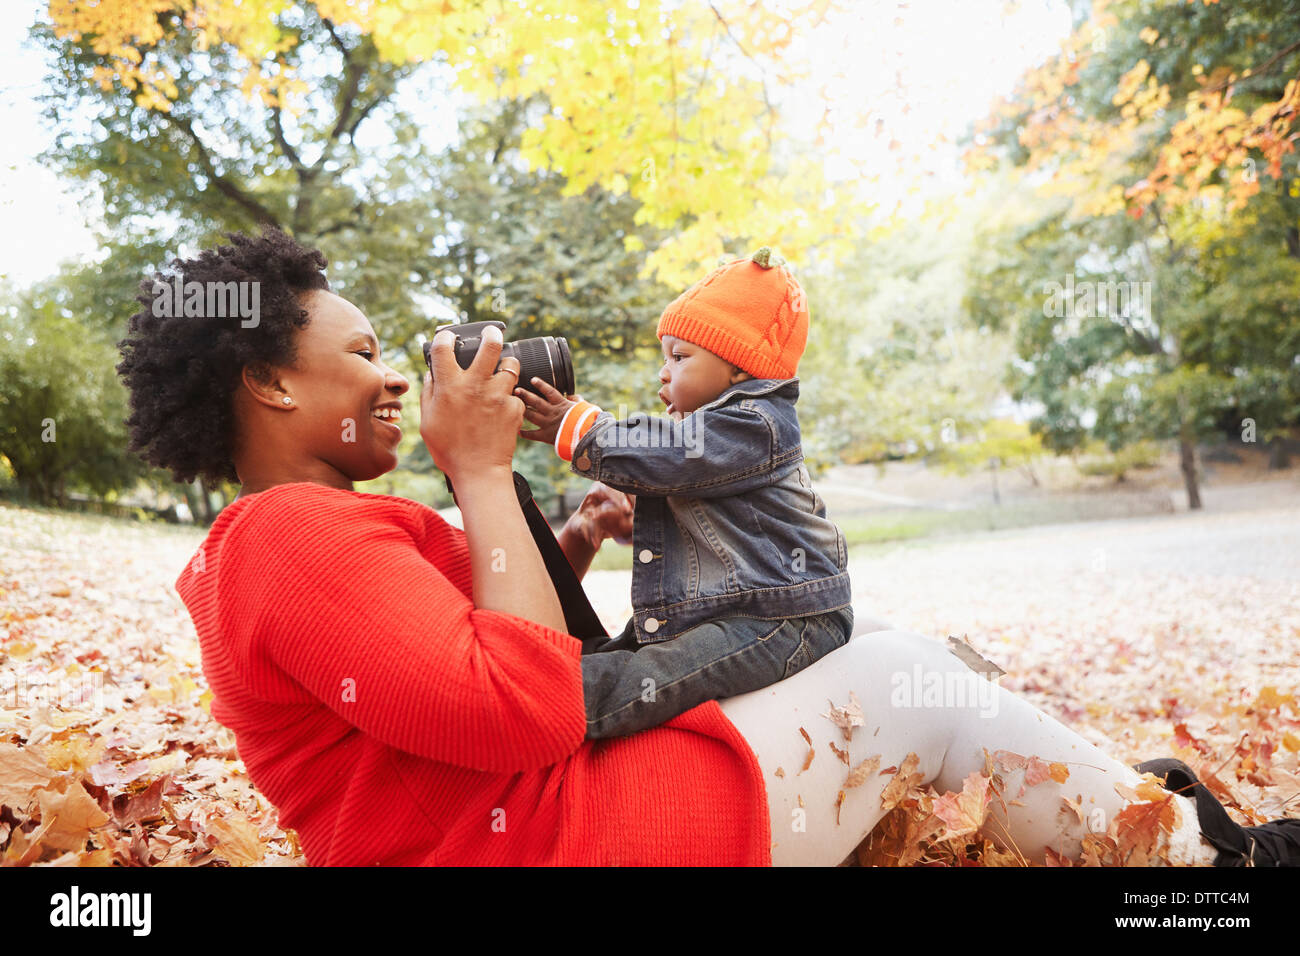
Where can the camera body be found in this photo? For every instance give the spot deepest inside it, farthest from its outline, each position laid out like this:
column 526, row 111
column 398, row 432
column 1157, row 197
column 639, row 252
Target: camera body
column 546, row 357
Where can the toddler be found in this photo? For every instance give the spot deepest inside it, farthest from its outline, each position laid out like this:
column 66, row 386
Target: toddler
column 739, row 579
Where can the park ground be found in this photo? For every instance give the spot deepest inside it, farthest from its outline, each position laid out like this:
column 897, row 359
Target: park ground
column 1165, row 633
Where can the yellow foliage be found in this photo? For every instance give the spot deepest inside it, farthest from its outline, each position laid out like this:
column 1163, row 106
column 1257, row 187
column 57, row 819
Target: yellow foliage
column 1082, row 154
column 638, row 105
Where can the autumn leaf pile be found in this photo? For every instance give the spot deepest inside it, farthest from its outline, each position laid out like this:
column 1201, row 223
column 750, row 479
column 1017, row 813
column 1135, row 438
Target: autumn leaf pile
column 109, row 755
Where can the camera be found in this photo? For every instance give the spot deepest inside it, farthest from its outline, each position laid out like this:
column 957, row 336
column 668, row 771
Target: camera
column 545, row 357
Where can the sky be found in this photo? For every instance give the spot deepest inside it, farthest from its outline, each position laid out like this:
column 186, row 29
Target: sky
column 952, row 57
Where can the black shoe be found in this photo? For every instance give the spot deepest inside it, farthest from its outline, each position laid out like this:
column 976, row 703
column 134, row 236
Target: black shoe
column 1276, row 843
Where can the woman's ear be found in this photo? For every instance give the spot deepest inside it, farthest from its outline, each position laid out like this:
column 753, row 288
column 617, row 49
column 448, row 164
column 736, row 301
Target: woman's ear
column 261, row 383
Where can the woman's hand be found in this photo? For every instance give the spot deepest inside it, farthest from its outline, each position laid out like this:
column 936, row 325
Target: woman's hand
column 604, row 513
column 468, row 417
column 546, row 411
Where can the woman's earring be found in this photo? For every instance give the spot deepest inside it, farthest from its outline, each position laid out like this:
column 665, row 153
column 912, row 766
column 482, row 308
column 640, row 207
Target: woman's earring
column 288, row 400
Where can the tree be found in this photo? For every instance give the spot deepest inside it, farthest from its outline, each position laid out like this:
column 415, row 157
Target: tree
column 214, row 162
column 512, row 246
column 1156, row 105
column 893, row 363
column 410, row 233
column 999, row 443
column 1157, row 292
column 666, row 101
column 61, row 408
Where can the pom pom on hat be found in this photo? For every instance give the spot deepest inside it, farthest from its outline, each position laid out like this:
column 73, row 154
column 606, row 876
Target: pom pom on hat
column 766, row 258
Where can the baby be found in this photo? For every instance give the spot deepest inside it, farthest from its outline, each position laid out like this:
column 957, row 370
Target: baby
column 739, row 579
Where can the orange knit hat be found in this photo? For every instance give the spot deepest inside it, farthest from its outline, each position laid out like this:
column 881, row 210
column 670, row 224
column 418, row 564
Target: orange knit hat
column 751, row 312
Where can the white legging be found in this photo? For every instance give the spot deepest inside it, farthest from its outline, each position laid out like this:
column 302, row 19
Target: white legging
column 881, row 668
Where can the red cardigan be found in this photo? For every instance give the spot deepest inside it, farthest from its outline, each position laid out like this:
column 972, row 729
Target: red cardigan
column 392, row 722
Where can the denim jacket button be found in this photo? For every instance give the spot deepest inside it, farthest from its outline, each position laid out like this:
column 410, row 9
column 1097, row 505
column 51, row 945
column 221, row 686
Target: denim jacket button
column 582, row 462
column 646, row 556
column 650, row 625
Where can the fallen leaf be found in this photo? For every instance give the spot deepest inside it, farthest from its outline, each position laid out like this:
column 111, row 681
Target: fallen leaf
column 905, row 780
column 847, row 717
column 807, row 762
column 963, row 813
column 1138, row 828
column 76, row 753
column 69, row 814
column 859, row 774
column 237, row 841
column 1075, row 808
column 147, row 805
column 973, row 659
column 21, row 773
column 112, row 774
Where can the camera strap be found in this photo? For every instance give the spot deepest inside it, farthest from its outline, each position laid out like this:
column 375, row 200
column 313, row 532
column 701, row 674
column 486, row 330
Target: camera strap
column 579, row 616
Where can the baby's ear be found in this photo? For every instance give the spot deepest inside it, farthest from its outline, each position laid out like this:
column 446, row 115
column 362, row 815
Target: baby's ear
column 739, row 375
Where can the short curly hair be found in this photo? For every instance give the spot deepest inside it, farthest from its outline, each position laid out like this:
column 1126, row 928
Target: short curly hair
column 182, row 371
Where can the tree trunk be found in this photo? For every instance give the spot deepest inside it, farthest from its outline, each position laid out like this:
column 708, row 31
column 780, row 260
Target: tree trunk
column 1187, row 461
column 205, row 503
column 192, row 500
column 1277, row 456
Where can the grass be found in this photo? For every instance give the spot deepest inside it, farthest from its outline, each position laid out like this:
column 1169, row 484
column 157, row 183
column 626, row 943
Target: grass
column 902, row 525
column 613, row 557
column 15, row 516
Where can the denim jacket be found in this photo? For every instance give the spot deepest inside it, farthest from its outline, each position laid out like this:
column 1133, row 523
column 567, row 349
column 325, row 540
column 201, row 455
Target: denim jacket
column 726, row 520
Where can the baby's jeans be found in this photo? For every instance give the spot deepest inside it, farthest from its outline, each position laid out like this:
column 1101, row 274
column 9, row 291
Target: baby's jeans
column 628, row 687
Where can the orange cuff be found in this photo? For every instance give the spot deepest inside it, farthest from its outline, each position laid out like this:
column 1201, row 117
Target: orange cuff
column 577, row 422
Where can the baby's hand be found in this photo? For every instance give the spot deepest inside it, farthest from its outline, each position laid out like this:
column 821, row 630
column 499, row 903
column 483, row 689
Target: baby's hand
column 604, row 513
column 546, row 411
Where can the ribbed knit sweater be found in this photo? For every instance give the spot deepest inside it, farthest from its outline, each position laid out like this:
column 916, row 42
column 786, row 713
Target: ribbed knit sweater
column 392, row 722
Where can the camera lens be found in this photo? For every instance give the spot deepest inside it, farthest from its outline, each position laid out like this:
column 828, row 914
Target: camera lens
column 545, row 357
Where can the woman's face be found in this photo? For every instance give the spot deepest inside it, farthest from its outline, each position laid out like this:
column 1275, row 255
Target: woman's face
column 330, row 431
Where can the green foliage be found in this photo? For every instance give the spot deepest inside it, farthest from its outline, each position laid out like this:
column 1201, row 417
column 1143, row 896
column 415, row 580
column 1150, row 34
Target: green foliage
column 1217, row 340
column 1213, row 330
column 1097, row 459
column 61, row 406
column 893, row 362
column 1009, row 444
column 510, row 246
column 413, row 235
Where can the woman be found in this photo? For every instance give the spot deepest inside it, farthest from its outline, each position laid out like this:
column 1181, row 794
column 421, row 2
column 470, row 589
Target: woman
column 406, row 693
